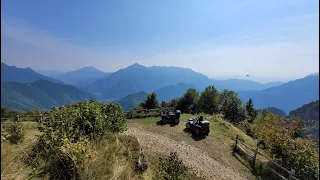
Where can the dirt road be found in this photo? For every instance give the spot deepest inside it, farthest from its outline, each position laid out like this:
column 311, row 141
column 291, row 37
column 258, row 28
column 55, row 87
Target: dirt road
column 192, row 156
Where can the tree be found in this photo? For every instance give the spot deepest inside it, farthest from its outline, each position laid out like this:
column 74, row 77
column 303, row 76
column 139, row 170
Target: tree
column 231, row 106
column 6, row 113
column 188, row 102
column 252, row 112
column 151, row 102
column 173, row 102
column 163, row 104
column 281, row 137
column 209, row 100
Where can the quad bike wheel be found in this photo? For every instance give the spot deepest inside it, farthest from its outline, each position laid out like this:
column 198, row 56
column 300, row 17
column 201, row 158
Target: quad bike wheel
column 197, row 131
column 177, row 121
column 188, row 125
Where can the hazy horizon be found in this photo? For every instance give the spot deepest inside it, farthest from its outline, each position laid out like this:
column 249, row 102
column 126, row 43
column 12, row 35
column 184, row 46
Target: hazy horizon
column 272, row 39
column 260, row 79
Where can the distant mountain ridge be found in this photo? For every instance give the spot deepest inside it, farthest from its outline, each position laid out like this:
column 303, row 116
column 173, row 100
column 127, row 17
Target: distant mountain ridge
column 274, row 110
column 82, row 77
column 308, row 111
column 137, row 78
column 132, row 100
column 41, row 95
column 287, row 96
column 22, row 75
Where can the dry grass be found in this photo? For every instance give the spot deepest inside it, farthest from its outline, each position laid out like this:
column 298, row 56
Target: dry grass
column 12, row 165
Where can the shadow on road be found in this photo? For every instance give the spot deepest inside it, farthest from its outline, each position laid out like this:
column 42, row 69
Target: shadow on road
column 161, row 123
column 193, row 134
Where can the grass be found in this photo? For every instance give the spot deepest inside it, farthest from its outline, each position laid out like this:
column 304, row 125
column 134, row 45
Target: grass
column 12, row 165
column 219, row 144
column 112, row 158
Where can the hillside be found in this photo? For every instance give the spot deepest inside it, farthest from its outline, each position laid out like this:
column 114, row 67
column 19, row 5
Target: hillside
column 27, row 75
column 82, row 77
column 39, row 95
column 242, row 85
column 287, row 96
column 274, row 110
column 137, row 78
column 132, row 100
column 308, row 111
column 173, row 91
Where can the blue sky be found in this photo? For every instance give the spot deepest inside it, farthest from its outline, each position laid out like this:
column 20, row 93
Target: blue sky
column 275, row 39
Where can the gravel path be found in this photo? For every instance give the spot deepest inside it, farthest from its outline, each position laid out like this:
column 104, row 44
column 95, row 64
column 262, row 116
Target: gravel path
column 192, row 156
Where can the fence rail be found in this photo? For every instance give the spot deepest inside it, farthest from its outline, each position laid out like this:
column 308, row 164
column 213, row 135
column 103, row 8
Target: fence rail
column 254, row 158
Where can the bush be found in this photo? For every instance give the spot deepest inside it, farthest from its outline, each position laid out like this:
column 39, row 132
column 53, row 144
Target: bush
column 63, row 147
column 171, row 168
column 14, row 132
column 281, row 136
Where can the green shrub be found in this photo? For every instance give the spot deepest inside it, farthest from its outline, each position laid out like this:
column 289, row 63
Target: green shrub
column 171, row 168
column 67, row 133
column 14, row 132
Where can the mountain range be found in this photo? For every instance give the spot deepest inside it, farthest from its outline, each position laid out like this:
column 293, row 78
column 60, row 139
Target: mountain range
column 166, row 82
column 22, row 75
column 81, row 77
column 41, row 95
column 137, row 78
column 287, row 96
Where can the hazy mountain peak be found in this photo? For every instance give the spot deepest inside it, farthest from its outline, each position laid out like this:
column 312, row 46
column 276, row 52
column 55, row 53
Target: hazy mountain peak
column 314, row 74
column 135, row 65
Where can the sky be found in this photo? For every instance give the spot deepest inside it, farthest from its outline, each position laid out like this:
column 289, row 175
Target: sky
column 269, row 39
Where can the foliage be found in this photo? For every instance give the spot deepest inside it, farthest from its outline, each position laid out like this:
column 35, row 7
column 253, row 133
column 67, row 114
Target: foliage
column 209, row 100
column 163, row 104
column 231, row 106
column 6, row 113
column 173, row 102
column 14, row 132
column 252, row 113
column 67, row 133
column 151, row 102
column 281, row 137
column 171, row 168
column 188, row 102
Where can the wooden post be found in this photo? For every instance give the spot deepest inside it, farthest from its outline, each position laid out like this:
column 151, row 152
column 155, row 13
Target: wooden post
column 41, row 118
column 292, row 174
column 18, row 118
column 236, row 142
column 254, row 158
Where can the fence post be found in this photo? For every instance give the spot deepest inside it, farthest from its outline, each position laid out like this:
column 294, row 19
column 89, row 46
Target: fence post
column 18, row 118
column 236, row 142
column 41, row 118
column 254, row 158
column 291, row 174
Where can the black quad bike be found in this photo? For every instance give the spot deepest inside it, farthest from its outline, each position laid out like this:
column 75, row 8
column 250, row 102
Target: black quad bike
column 199, row 125
column 171, row 117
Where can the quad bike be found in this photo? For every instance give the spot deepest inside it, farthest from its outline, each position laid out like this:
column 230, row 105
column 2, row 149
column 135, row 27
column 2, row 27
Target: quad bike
column 199, row 125
column 171, row 118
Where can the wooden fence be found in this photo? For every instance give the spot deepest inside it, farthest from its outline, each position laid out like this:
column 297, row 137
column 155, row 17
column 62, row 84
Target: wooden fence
column 254, row 159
